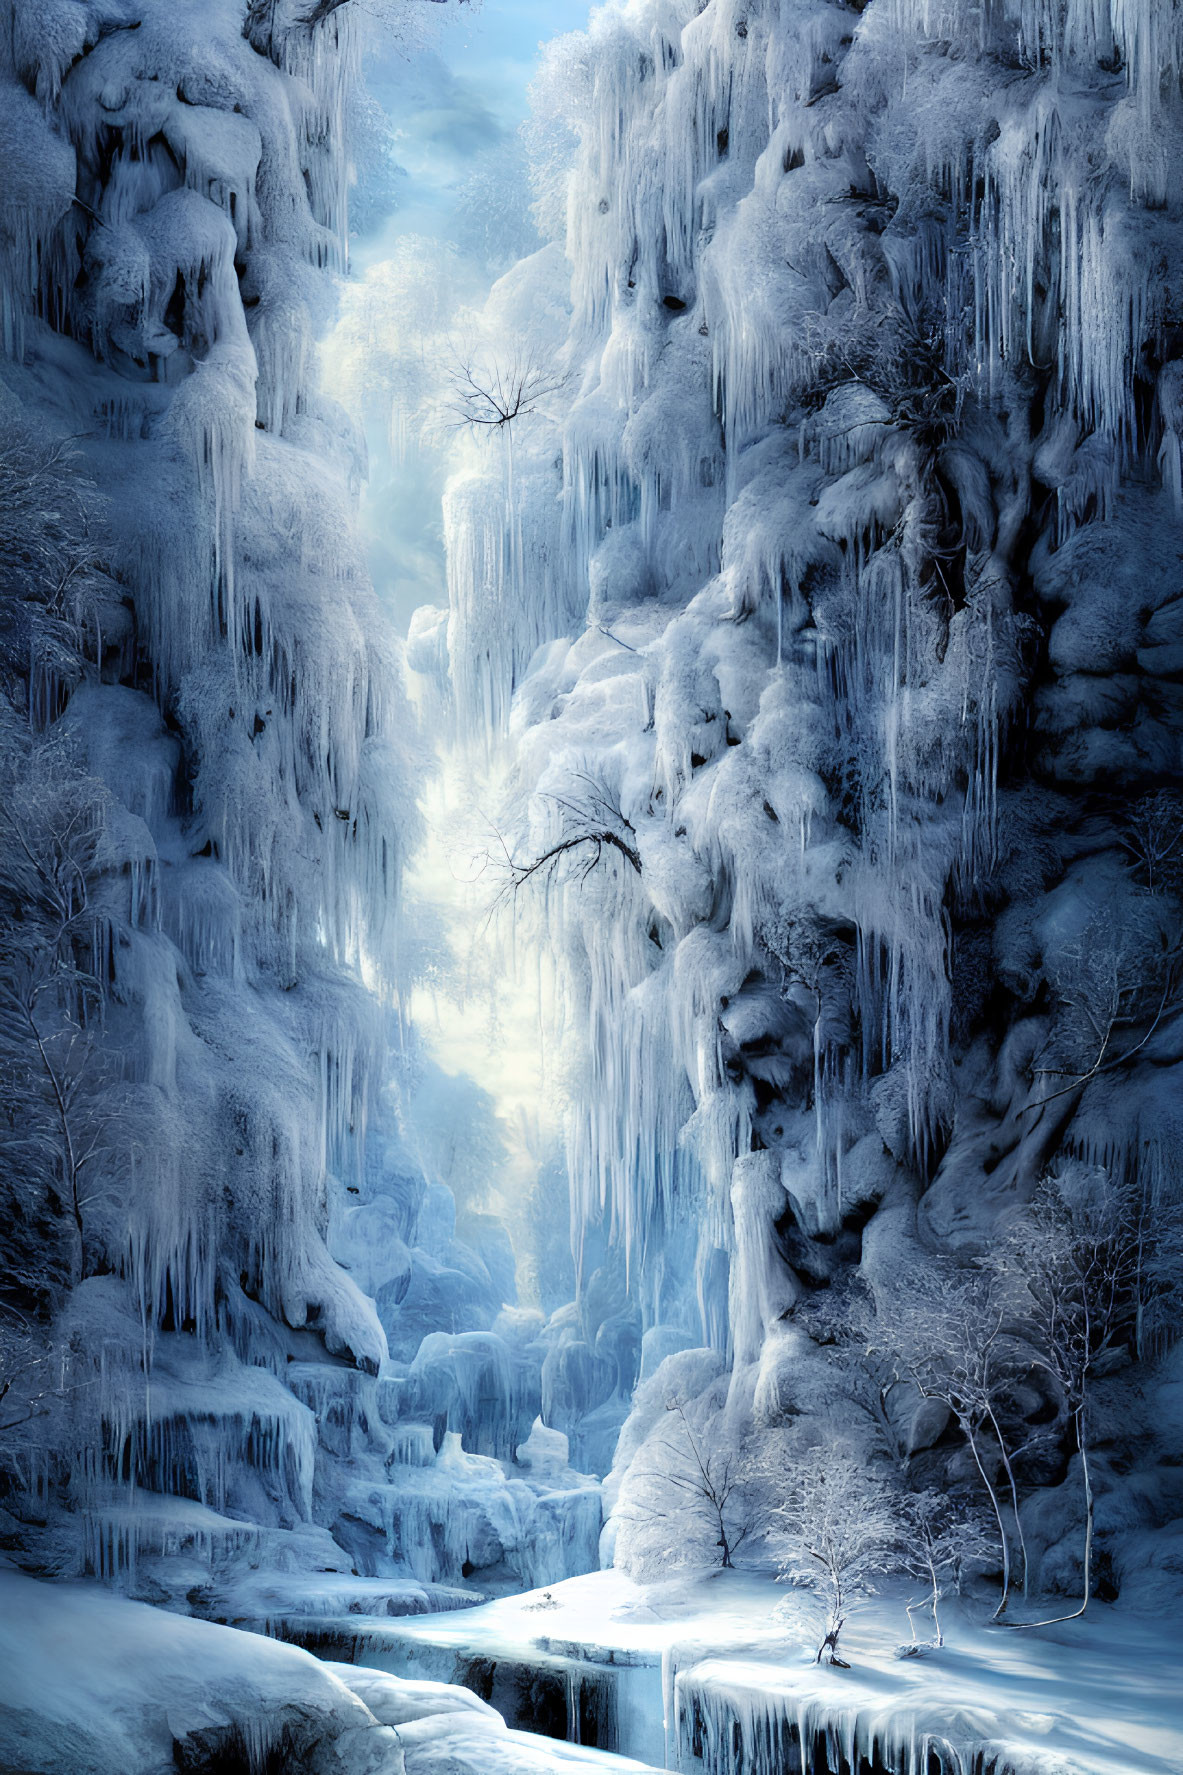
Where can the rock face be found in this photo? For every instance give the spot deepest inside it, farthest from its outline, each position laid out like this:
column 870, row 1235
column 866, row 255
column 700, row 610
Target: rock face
column 221, row 696
column 219, row 1233
column 823, row 570
column 857, row 764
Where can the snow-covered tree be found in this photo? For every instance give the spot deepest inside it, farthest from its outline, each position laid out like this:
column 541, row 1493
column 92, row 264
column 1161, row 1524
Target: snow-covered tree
column 1152, row 837
column 945, row 1330
column 50, row 560
column 943, row 1541
column 836, row 1535
column 52, row 1061
column 1121, row 975
column 1073, row 1268
column 690, row 1496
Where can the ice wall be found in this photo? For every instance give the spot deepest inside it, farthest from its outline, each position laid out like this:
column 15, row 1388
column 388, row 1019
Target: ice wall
column 861, row 478
column 228, row 1254
column 239, row 703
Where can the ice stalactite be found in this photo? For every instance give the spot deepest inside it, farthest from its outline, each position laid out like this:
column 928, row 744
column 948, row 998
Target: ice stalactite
column 247, row 1230
column 725, row 1727
column 870, row 458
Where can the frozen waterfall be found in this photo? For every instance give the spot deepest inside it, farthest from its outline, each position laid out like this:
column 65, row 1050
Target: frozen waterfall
column 802, row 700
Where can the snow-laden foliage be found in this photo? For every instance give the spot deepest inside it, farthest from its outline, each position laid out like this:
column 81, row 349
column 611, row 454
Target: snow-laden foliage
column 838, row 581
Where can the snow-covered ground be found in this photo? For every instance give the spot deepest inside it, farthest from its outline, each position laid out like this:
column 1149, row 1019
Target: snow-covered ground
column 1096, row 1698
column 702, row 1676
column 91, row 1684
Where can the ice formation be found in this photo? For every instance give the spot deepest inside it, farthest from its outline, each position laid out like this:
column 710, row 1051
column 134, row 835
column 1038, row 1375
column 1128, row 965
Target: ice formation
column 197, row 1696
column 838, row 665
column 215, row 799
column 812, row 576
column 702, row 1679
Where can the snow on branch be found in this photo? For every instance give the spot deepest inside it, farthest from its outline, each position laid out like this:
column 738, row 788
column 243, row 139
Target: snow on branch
column 944, row 1332
column 943, row 1543
column 838, row 1532
column 689, row 1495
column 1116, row 983
column 52, row 844
column 589, row 827
column 50, row 554
column 1082, row 1268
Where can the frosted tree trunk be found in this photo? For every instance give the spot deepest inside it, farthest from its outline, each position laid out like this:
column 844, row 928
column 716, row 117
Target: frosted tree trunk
column 1014, row 1494
column 1003, row 1538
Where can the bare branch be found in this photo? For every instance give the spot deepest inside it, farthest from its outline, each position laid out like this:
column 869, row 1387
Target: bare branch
column 490, row 394
column 589, row 828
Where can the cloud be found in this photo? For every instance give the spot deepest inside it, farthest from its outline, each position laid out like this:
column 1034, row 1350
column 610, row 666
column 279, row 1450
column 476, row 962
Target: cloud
column 443, row 121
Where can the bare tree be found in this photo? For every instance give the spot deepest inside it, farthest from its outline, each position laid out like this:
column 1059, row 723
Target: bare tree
column 49, row 554
column 946, row 1333
column 867, row 1371
column 943, row 1541
column 837, row 1537
column 51, row 996
column 1115, row 984
column 490, row 392
column 692, row 1486
column 1074, row 1262
column 1153, row 1231
column 1151, row 835
column 589, row 827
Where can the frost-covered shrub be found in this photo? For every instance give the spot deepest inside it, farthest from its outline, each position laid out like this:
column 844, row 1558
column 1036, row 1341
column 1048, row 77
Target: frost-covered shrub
column 51, row 554
column 687, row 1501
column 837, row 1534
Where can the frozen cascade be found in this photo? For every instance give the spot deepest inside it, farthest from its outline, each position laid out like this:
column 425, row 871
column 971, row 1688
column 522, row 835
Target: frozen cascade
column 458, row 1514
column 241, row 1415
column 928, row 693
column 728, row 1727
column 866, row 426
column 822, row 602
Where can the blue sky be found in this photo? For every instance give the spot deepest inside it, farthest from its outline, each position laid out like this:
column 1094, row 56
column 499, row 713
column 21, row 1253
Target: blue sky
column 495, row 48
column 455, row 105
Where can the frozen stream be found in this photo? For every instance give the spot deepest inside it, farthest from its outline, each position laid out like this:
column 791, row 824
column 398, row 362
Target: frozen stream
column 89, row 1680
column 702, row 1680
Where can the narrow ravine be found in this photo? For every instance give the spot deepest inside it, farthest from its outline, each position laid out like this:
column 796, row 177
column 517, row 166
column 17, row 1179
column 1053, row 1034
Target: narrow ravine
column 591, row 887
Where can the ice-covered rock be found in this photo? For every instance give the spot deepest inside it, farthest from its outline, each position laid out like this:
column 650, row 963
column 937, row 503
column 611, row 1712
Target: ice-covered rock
column 855, row 602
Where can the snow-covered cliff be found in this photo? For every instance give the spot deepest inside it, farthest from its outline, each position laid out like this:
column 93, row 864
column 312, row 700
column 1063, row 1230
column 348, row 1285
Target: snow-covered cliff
column 228, row 706
column 828, row 592
column 210, row 775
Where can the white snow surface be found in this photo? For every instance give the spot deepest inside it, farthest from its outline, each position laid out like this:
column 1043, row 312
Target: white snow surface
column 92, row 1684
column 725, row 1667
